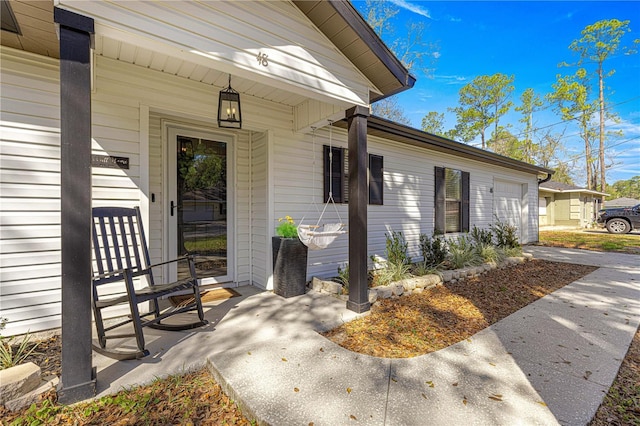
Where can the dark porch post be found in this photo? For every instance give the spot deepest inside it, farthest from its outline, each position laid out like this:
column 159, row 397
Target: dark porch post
column 78, row 377
column 358, row 200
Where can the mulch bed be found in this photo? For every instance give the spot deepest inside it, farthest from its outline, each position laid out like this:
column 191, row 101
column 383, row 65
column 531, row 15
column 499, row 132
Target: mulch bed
column 621, row 406
column 417, row 324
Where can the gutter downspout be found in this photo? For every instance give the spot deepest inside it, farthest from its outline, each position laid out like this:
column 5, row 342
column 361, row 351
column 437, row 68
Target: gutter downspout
column 547, row 179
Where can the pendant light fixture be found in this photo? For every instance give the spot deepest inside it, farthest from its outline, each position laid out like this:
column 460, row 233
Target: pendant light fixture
column 229, row 114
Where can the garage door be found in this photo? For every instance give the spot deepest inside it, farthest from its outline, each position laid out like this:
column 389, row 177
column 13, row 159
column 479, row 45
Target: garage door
column 508, row 203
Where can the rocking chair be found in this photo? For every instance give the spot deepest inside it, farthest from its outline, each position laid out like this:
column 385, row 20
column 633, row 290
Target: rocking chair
column 121, row 255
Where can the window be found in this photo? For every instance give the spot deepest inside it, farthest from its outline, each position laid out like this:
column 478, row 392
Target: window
column 451, row 200
column 542, row 206
column 336, row 173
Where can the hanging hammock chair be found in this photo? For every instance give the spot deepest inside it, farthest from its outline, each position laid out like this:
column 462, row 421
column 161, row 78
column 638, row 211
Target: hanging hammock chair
column 320, row 235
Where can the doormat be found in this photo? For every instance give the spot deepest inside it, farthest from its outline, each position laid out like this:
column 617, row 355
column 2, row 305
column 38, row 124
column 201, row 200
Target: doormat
column 207, row 296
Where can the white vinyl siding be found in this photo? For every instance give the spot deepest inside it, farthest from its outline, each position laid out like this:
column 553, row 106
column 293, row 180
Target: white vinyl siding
column 29, row 192
column 259, row 226
column 408, row 193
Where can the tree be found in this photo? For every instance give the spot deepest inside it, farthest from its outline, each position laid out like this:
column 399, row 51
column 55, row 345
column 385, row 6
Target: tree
column 625, row 188
column 530, row 103
column 505, row 143
column 416, row 54
column 549, row 155
column 600, row 41
column 390, row 109
column 433, row 123
column 571, row 100
column 379, row 15
column 482, row 103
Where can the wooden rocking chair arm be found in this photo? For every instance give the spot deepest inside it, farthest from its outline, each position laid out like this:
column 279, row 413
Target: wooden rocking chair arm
column 114, row 273
column 177, row 259
column 117, row 273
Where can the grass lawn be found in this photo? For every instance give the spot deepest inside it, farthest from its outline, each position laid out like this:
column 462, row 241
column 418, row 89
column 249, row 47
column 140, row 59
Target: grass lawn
column 592, row 240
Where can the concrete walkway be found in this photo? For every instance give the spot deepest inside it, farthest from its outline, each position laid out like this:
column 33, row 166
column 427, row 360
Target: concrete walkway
column 549, row 363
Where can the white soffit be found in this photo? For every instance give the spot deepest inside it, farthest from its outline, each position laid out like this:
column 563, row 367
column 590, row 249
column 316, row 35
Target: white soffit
column 231, row 37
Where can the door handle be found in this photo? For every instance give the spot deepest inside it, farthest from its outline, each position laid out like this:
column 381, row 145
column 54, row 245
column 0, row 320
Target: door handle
column 172, row 207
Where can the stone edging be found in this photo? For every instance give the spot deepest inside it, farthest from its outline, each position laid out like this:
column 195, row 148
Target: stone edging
column 417, row 284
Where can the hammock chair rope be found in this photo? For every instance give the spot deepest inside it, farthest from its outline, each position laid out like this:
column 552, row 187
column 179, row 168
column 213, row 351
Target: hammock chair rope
column 319, row 236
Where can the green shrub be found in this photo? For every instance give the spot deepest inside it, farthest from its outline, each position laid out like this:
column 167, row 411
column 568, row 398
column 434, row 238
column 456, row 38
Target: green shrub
column 506, row 235
column 481, row 236
column 397, row 249
column 433, row 249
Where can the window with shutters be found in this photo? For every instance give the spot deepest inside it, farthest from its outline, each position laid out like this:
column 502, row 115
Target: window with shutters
column 336, row 173
column 451, row 200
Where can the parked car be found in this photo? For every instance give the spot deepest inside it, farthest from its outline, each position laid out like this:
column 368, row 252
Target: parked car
column 620, row 220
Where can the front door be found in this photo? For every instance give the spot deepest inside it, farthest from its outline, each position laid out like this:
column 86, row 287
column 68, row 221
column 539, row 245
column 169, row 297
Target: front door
column 198, row 205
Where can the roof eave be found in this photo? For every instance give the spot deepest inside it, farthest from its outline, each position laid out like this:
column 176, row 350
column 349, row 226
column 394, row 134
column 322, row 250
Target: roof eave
column 409, row 135
column 397, row 80
column 567, row 191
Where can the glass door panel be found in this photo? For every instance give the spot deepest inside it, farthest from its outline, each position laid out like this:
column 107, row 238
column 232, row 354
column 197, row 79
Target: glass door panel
column 201, row 205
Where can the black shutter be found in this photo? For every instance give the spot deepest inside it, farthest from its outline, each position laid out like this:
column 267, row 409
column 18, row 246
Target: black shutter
column 439, row 200
column 465, row 202
column 335, row 175
column 376, row 183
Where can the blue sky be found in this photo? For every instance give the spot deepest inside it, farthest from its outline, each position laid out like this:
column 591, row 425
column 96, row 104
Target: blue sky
column 527, row 40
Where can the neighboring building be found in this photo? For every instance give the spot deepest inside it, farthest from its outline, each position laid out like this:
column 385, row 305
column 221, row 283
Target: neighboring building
column 567, row 206
column 621, row 202
column 157, row 71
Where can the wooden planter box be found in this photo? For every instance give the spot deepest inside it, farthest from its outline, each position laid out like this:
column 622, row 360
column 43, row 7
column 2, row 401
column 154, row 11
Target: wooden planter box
column 289, row 266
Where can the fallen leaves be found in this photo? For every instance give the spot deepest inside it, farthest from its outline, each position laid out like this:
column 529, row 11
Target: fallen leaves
column 193, row 398
column 620, row 405
column 443, row 315
column 495, row 397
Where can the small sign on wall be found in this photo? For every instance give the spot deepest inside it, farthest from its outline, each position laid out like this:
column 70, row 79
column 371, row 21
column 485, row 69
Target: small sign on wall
column 109, row 162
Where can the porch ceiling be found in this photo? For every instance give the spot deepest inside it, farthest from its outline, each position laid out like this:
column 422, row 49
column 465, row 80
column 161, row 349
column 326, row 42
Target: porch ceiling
column 37, row 30
column 338, row 20
column 38, row 35
column 154, row 60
